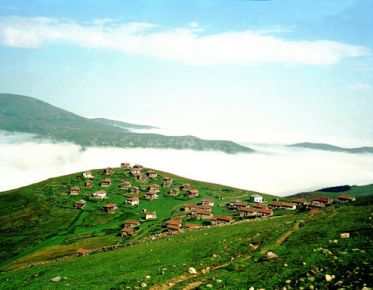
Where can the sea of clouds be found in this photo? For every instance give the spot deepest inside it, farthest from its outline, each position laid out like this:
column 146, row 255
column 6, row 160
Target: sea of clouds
column 271, row 169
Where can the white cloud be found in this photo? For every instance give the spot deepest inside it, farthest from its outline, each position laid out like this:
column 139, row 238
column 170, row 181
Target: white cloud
column 187, row 45
column 359, row 87
column 273, row 169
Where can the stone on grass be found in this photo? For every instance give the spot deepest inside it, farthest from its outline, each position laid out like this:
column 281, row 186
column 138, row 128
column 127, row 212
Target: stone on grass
column 192, row 270
column 328, row 278
column 271, row 256
column 143, row 285
column 56, row 279
column 345, row 235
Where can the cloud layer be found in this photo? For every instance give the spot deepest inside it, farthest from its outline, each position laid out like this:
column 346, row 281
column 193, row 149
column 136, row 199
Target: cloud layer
column 276, row 170
column 188, row 45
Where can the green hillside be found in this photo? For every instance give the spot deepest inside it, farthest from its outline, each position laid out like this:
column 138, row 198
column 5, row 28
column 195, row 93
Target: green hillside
column 26, row 114
column 332, row 148
column 308, row 247
column 42, row 215
column 120, row 124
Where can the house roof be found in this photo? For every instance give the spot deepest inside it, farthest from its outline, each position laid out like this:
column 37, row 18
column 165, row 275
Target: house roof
column 240, row 203
column 110, row 205
column 150, row 193
column 248, row 209
column 100, row 192
column 346, row 197
column 207, row 200
column 259, row 205
column 223, row 218
column 191, row 205
column 203, row 211
column 148, row 212
column 82, row 201
column 322, row 199
column 132, row 222
column 282, row 204
column 174, row 221
column 106, row 180
column 151, row 171
column 75, row 188
column 173, row 227
column 138, row 166
column 126, row 183
column 193, row 191
column 128, row 230
column 315, row 211
column 82, row 251
column 133, row 198
column 190, row 226
column 167, row 178
column 186, row 185
column 204, row 206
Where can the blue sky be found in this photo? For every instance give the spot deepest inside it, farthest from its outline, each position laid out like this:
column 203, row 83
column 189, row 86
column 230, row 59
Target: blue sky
column 251, row 71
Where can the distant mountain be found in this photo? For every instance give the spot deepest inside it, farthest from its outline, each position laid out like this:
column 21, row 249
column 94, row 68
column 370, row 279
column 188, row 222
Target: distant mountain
column 120, row 124
column 25, row 114
column 332, row 148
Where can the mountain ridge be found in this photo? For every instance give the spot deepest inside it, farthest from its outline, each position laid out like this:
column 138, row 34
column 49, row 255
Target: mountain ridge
column 332, row 148
column 20, row 113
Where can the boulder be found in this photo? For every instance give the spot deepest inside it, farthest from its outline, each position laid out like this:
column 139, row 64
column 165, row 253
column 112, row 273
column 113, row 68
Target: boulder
column 192, row 270
column 345, row 235
column 56, row 279
column 271, row 255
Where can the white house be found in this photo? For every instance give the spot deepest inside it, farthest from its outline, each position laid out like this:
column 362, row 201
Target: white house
column 101, row 194
column 256, row 198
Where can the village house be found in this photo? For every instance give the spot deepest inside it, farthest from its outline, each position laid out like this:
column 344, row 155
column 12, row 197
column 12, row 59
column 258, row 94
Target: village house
column 136, row 171
column 80, row 204
column 185, row 187
column 282, row 204
column 154, row 188
column 150, row 195
column 101, row 194
column 204, row 206
column 346, row 198
column 238, row 204
column 192, row 193
column 82, row 252
column 111, row 207
column 264, row 212
column 174, row 224
column 259, row 205
column 131, row 224
column 316, row 204
column 301, row 202
column 207, row 201
column 133, row 200
column 106, row 182
column 138, row 166
column 189, row 207
column 248, row 212
column 74, row 190
column 167, row 181
column 202, row 214
column 87, row 174
column 109, row 171
column 323, row 199
column 127, row 232
column 135, row 190
column 88, row 184
column 315, row 211
column 256, row 198
column 150, row 215
column 125, row 185
column 125, row 165
column 152, row 174
column 192, row 226
column 174, row 192
column 217, row 220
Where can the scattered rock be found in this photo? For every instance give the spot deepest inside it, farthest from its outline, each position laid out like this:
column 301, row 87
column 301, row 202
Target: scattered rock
column 147, row 277
column 288, row 281
column 345, row 235
column 143, row 285
column 209, row 286
column 251, row 288
column 192, row 271
column 328, row 278
column 271, row 256
column 56, row 279
column 285, row 265
column 219, row 281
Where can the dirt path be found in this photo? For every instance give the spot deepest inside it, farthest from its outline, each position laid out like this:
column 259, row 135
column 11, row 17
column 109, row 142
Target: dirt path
column 192, row 285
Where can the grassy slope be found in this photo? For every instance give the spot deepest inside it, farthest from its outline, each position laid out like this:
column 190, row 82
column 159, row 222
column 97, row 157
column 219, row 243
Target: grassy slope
column 163, row 260
column 25, row 114
column 43, row 213
column 332, row 148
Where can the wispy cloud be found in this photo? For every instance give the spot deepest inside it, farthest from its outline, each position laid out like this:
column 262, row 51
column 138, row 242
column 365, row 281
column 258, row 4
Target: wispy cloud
column 188, row 45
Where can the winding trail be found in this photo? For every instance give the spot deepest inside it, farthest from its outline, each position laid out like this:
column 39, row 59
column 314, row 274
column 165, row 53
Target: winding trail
column 194, row 284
